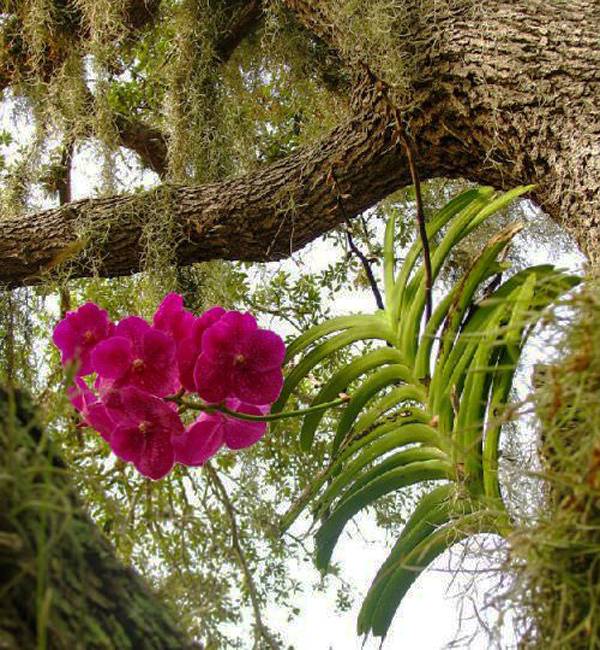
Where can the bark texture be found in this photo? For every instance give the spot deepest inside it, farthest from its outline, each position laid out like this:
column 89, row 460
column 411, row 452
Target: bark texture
column 502, row 93
column 60, row 578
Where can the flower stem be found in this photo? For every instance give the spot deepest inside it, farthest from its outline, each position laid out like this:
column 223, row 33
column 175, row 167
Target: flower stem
column 270, row 417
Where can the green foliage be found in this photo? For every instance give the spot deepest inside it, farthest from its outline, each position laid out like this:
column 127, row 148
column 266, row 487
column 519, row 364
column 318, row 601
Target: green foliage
column 428, row 406
column 555, row 549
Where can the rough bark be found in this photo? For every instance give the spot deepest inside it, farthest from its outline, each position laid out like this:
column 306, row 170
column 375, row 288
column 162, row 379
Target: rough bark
column 60, row 578
column 516, row 89
column 503, row 95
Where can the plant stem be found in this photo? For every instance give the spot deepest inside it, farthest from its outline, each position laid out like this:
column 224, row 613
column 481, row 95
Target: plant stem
column 270, row 417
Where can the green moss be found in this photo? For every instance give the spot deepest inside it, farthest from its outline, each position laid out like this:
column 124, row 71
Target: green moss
column 557, row 554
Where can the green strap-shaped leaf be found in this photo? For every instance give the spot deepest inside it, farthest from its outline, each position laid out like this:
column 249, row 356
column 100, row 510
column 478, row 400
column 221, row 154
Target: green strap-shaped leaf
column 414, row 299
column 452, row 356
column 340, row 382
column 369, row 389
column 389, row 258
column 408, row 415
column 333, row 325
column 396, row 479
column 324, row 350
column 384, row 405
column 388, row 437
column 433, row 509
column 472, row 280
column 449, row 211
column 407, row 568
column 389, row 463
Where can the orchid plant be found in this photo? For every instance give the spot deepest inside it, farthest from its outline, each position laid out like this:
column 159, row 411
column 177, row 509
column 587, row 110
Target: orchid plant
column 427, row 404
column 424, row 407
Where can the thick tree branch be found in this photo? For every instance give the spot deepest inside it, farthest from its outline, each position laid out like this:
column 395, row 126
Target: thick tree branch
column 146, row 141
column 495, row 108
column 519, row 81
column 61, row 581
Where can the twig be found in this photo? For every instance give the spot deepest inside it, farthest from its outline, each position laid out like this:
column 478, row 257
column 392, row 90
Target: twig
column 420, row 221
column 404, row 138
column 237, row 548
column 353, row 247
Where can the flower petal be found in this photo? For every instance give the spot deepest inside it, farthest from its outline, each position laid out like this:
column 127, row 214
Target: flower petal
column 187, row 355
column 264, row 350
column 213, row 381
column 200, row 442
column 133, row 328
column 111, row 358
column 158, row 349
column 158, row 457
column 171, row 317
column 224, row 338
column 99, row 417
column 257, row 387
column 66, row 339
column 240, row 434
column 127, row 442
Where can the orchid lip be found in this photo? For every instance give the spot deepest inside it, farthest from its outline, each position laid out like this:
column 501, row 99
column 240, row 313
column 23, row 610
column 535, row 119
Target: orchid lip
column 138, row 365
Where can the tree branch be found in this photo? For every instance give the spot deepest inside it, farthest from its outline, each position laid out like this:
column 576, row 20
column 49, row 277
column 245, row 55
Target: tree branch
column 56, row 563
column 241, row 22
column 261, row 629
column 355, row 249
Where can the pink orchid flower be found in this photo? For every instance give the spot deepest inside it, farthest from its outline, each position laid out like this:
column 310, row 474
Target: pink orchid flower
column 146, row 432
column 139, row 355
column 77, row 334
column 239, row 360
column 211, row 431
column 190, row 348
column 94, row 412
column 172, row 318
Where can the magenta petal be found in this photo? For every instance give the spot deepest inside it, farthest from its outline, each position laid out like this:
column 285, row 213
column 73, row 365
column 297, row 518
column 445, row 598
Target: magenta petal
column 264, row 350
column 127, row 442
column 133, row 328
column 257, row 387
column 172, row 318
column 65, row 339
column 98, row 416
column 224, row 338
column 170, row 307
column 157, row 458
column 91, row 317
column 208, row 318
column 213, row 382
column 111, row 358
column 143, row 407
column 79, row 394
column 158, row 349
column 187, row 355
column 200, row 442
column 243, row 433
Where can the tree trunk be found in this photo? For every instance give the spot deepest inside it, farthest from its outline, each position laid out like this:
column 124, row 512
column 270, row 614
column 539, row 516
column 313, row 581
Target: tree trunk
column 60, row 578
column 501, row 95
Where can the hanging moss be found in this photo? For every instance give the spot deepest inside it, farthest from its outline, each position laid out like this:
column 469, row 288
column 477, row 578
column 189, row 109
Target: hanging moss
column 556, row 550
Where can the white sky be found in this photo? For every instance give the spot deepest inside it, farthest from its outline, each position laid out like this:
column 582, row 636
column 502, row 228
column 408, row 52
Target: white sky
column 429, row 616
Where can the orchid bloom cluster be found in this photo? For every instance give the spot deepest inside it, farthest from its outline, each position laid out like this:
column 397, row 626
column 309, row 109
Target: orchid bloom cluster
column 144, row 374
